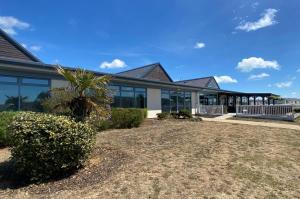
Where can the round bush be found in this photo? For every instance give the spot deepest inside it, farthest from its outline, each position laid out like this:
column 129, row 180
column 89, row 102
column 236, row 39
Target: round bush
column 48, row 146
column 6, row 117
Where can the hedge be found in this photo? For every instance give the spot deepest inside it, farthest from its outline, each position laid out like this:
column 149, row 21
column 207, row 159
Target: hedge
column 127, row 117
column 6, row 117
column 48, row 146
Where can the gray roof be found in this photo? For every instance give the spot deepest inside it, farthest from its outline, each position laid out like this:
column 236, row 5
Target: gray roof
column 200, row 82
column 9, row 48
column 139, row 72
column 142, row 72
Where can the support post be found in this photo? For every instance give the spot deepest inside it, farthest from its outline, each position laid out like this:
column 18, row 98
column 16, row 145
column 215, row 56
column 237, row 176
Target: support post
column 254, row 100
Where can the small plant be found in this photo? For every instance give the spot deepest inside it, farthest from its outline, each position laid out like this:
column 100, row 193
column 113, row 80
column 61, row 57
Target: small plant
column 6, row 117
column 175, row 115
column 185, row 114
column 48, row 146
column 163, row 115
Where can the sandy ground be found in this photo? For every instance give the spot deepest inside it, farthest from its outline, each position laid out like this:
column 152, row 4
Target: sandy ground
column 181, row 159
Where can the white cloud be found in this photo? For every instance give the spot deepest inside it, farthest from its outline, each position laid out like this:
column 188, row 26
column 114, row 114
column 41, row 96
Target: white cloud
column 35, row 48
column 284, row 84
column 259, row 76
column 24, row 45
column 254, row 5
column 116, row 63
column 225, row 79
column 199, row 45
column 298, row 71
column 55, row 61
column 294, row 93
column 251, row 63
column 10, row 24
column 267, row 19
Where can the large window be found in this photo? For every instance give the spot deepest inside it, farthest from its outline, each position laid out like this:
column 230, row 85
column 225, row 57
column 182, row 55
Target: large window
column 128, row 97
column 18, row 93
column 165, row 101
column 173, row 101
column 208, row 99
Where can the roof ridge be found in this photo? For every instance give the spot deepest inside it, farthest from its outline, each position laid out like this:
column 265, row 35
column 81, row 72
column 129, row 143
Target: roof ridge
column 196, row 79
column 138, row 68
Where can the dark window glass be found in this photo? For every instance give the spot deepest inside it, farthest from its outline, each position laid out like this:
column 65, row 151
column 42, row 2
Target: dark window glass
column 9, row 98
column 165, row 101
column 180, row 103
column 173, row 101
column 8, row 79
column 140, row 98
column 187, row 101
column 35, row 81
column 116, row 96
column 127, row 95
column 31, row 96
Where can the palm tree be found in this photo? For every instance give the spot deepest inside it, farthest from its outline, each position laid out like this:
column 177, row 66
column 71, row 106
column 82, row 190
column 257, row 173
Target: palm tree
column 89, row 93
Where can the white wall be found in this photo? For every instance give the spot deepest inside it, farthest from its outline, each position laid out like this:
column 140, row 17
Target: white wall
column 58, row 83
column 153, row 102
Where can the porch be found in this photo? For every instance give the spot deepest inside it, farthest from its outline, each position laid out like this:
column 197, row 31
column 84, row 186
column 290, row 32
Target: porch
column 230, row 100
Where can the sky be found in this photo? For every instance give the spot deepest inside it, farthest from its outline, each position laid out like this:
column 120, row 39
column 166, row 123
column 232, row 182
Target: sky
column 248, row 45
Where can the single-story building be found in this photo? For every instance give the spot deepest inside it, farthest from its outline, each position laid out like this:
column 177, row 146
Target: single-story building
column 24, row 80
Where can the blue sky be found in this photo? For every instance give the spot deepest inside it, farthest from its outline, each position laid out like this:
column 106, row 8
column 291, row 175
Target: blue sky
column 251, row 46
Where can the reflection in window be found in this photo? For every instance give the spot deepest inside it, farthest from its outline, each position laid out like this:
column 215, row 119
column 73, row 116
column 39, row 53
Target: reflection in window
column 172, row 101
column 165, row 101
column 188, row 101
column 32, row 96
column 140, row 97
column 17, row 93
column 116, row 96
column 9, row 99
column 35, row 81
column 8, row 79
column 128, row 97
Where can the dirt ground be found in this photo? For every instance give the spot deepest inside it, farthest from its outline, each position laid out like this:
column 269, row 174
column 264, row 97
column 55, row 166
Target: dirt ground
column 179, row 159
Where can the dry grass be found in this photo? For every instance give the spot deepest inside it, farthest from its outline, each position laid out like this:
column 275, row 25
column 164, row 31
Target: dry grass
column 180, row 159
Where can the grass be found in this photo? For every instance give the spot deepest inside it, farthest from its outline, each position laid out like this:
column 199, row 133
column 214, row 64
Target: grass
column 181, row 159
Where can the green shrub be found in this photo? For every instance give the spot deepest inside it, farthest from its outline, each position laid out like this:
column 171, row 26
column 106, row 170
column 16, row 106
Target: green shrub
column 184, row 113
column 145, row 112
column 163, row 115
column 127, row 118
column 6, row 117
column 47, row 146
column 174, row 115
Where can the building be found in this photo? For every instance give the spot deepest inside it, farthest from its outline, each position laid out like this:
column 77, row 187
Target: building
column 24, row 80
column 289, row 101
